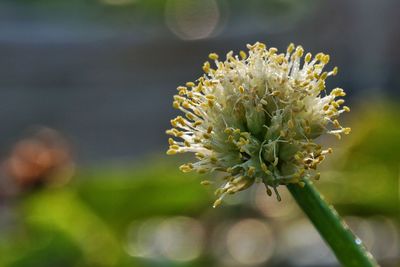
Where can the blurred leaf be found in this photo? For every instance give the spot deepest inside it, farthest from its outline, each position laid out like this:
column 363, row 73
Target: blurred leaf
column 124, row 194
column 41, row 247
column 363, row 177
column 63, row 211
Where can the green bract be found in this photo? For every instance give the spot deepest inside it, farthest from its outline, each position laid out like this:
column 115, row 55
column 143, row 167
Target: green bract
column 256, row 117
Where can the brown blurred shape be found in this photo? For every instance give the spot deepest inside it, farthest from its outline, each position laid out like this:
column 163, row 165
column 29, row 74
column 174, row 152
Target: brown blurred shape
column 43, row 158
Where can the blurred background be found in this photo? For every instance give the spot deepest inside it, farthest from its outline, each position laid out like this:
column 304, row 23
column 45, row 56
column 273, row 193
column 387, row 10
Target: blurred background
column 86, row 89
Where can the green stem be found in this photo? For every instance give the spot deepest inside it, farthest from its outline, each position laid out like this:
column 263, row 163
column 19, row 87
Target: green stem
column 346, row 246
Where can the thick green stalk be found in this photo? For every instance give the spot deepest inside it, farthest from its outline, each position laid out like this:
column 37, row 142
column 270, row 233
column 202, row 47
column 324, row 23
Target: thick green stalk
column 347, row 247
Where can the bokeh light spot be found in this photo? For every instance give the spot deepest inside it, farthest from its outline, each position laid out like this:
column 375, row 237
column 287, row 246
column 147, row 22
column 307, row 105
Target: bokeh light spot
column 250, row 242
column 192, row 19
column 175, row 239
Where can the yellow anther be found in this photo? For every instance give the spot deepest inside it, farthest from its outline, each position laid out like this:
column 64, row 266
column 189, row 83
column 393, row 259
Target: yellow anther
column 190, row 84
column 206, row 67
column 346, row 130
column 272, row 50
column 299, row 51
column 321, row 85
column 325, row 59
column 190, row 116
column 324, row 75
column 186, row 105
column 187, row 143
column 243, row 141
column 290, row 48
column 175, row 104
column 280, row 59
column 340, row 101
column 308, row 57
column 171, row 152
column 213, row 56
column 180, row 120
column 241, row 89
column 260, row 45
column 170, row 132
column 335, row 71
column 330, row 113
column 228, row 130
column 217, row 202
column 337, row 91
column 206, row 135
column 336, row 123
column 305, row 83
column 264, row 167
column 174, row 147
column 206, row 182
column 243, row 54
column 197, row 112
column 200, row 155
column 199, row 88
column 319, row 56
column 197, row 123
column 178, row 98
column 210, row 97
column 346, row 108
column 171, row 141
column 209, row 129
column 251, row 171
column 186, row 167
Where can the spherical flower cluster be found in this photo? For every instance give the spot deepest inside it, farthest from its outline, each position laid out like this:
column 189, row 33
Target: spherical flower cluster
column 255, row 118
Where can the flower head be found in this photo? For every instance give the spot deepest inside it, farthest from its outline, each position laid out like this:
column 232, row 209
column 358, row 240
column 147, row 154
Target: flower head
column 255, row 117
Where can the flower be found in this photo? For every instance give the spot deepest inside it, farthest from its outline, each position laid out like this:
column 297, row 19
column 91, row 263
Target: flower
column 255, row 118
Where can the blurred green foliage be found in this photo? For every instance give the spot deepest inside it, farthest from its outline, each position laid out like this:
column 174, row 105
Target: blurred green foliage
column 366, row 167
column 85, row 223
column 88, row 219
